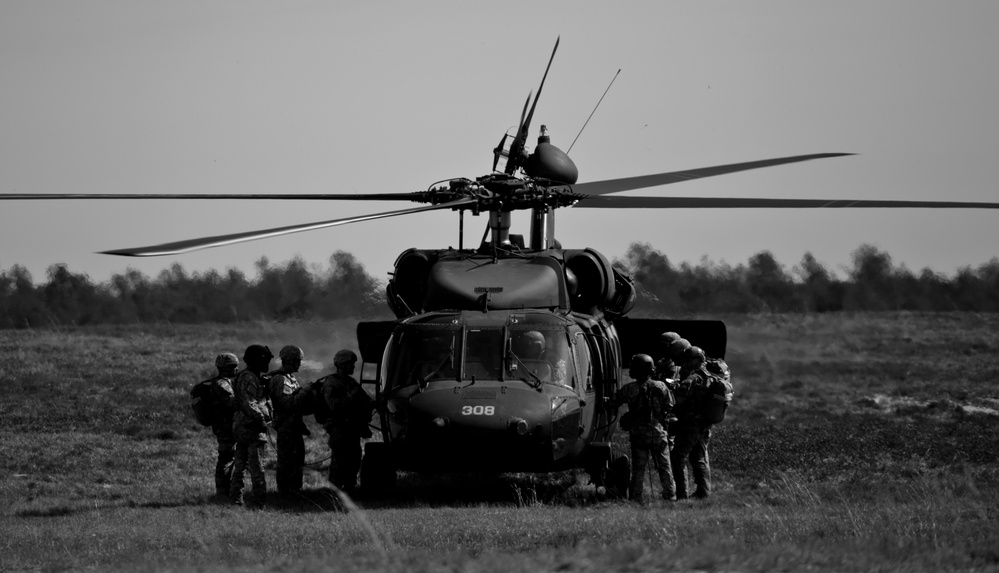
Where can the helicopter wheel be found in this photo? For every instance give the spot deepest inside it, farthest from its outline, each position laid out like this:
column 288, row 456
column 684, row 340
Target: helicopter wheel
column 617, row 477
column 377, row 470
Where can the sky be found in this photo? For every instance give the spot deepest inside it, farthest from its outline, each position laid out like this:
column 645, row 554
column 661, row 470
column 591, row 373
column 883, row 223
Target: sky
column 375, row 97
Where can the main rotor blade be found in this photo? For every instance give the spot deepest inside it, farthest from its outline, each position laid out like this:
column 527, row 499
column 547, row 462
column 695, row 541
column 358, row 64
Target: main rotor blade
column 220, row 240
column 520, row 141
column 629, row 183
column 276, row 196
column 759, row 203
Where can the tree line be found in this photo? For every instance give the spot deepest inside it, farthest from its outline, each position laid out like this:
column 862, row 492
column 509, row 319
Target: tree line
column 874, row 283
column 343, row 289
column 291, row 290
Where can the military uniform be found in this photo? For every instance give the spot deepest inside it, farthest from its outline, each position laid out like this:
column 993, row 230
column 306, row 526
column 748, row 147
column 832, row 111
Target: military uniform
column 350, row 412
column 668, row 372
column 691, row 435
column 253, row 412
column 290, row 402
column 224, row 402
column 649, row 405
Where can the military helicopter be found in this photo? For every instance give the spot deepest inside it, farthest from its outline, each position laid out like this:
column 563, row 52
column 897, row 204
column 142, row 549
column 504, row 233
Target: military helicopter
column 506, row 357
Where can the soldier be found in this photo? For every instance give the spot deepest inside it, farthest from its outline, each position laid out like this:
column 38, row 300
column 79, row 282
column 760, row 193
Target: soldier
column 692, row 434
column 249, row 423
column 291, row 402
column 666, row 368
column 649, row 404
column 223, row 404
column 350, row 410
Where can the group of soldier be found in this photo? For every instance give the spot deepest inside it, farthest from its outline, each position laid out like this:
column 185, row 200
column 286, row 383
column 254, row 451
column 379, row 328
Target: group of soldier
column 665, row 425
column 250, row 402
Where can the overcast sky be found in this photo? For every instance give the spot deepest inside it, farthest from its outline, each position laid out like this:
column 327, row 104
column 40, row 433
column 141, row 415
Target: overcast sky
column 341, row 97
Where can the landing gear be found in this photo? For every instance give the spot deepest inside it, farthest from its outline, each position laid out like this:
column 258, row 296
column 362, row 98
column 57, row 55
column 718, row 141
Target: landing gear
column 610, row 471
column 377, row 470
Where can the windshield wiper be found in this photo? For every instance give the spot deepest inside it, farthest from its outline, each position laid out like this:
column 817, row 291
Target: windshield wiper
column 537, row 380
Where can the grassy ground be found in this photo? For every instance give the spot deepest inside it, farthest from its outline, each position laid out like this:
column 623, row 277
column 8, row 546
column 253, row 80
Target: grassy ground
column 856, row 442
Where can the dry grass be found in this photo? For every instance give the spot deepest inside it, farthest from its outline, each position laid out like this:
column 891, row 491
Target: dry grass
column 857, row 442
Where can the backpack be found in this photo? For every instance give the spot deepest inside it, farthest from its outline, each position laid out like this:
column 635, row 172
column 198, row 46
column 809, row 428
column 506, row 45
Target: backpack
column 321, row 410
column 643, row 412
column 203, row 402
column 718, row 393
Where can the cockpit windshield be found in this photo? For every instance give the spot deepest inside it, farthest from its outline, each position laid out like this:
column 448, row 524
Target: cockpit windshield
column 535, row 354
column 539, row 356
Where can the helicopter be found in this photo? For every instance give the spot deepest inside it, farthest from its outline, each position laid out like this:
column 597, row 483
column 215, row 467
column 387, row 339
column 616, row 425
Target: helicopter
column 507, row 356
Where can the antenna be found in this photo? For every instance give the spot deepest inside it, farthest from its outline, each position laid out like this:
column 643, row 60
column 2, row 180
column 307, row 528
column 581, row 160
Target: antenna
column 594, row 111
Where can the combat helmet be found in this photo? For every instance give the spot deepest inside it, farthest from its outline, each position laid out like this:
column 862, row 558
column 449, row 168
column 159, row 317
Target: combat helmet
column 291, row 352
column 641, row 365
column 694, row 354
column 226, row 360
column 676, row 350
column 668, row 338
column 344, row 357
column 257, row 354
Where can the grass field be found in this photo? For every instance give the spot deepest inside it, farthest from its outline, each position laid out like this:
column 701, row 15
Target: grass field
column 857, row 442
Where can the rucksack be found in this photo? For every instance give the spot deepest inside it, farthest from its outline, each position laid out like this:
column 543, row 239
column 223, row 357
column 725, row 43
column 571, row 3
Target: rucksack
column 321, row 410
column 203, row 402
column 718, row 393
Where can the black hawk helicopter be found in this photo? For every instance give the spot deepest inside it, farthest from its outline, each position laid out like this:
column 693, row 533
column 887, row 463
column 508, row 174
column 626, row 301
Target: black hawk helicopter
column 506, row 357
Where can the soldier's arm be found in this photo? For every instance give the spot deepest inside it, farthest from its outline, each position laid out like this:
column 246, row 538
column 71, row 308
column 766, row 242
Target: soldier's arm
column 253, row 395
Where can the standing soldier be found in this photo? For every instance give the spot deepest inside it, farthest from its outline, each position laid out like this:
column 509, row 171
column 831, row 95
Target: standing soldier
column 213, row 403
column 350, row 410
column 291, row 402
column 649, row 404
column 666, row 368
column 249, row 423
column 691, row 432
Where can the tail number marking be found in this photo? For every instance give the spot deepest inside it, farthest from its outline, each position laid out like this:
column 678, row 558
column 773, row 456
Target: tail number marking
column 478, row 410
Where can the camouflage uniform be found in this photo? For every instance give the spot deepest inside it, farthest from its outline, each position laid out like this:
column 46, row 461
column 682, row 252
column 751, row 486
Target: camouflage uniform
column 667, row 371
column 291, row 402
column 225, row 403
column 350, row 412
column 649, row 441
column 253, row 412
column 691, row 435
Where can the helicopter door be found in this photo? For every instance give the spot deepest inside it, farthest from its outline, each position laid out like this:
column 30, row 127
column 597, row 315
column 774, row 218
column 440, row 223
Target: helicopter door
column 584, row 383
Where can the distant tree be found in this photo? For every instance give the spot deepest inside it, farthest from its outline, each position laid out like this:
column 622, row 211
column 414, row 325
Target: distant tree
column 872, row 286
column 770, row 284
column 820, row 290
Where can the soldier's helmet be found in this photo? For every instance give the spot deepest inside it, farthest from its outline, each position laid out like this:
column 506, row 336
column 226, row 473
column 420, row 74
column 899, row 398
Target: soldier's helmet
column 668, row 338
column 641, row 365
column 676, row 349
column 530, row 344
column 226, row 360
column 257, row 353
column 694, row 354
column 344, row 357
column 291, row 352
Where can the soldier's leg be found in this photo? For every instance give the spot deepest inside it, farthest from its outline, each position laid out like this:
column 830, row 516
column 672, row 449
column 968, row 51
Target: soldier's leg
column 678, row 460
column 240, row 457
column 298, row 463
column 254, row 464
column 285, row 459
column 700, row 467
column 223, row 465
column 352, row 463
column 660, row 456
column 639, row 464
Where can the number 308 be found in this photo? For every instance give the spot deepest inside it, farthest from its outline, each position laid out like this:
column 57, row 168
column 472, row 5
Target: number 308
column 478, row 410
